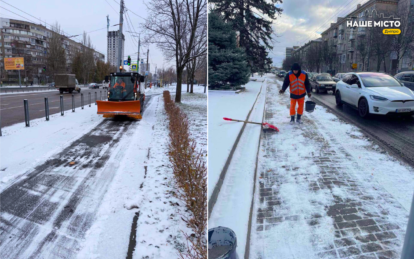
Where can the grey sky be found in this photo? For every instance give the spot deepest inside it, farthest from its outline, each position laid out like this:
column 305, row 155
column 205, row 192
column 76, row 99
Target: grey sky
column 303, row 20
column 76, row 16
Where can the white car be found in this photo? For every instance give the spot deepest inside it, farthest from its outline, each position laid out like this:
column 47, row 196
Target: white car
column 374, row 93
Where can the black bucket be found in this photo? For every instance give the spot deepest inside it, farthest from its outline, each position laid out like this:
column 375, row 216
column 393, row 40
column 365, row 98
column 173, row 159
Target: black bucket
column 310, row 106
column 222, row 243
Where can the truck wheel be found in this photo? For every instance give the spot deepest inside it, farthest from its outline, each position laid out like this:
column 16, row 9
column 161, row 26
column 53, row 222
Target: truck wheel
column 70, row 91
column 61, row 91
column 79, row 90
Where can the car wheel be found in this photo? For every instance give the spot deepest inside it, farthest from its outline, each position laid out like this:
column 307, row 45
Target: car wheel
column 338, row 99
column 363, row 108
column 317, row 89
column 333, row 91
column 61, row 91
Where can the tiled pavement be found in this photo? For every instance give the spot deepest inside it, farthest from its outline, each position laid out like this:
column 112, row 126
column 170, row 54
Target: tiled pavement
column 364, row 224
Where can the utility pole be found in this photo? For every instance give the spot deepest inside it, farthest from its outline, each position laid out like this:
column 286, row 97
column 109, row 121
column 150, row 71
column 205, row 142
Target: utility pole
column 121, row 20
column 139, row 47
column 146, row 69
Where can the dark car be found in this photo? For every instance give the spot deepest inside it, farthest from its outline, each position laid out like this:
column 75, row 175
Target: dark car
column 407, row 78
column 323, row 83
column 93, row 85
column 282, row 73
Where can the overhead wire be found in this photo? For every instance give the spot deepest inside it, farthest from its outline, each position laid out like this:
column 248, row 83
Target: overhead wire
column 111, row 6
column 51, row 26
column 341, row 10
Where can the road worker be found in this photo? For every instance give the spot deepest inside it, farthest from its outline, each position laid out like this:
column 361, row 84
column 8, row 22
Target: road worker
column 299, row 85
column 119, row 82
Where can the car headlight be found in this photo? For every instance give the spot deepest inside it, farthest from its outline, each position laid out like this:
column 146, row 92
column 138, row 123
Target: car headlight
column 378, row 98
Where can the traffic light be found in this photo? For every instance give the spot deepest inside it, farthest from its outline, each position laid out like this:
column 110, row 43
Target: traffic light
column 44, row 69
column 129, row 60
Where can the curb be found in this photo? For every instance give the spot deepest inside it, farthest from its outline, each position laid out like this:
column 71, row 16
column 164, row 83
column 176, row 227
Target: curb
column 383, row 144
column 249, row 226
column 213, row 198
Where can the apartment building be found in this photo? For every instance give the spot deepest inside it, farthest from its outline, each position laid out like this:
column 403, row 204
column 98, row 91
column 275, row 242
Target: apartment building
column 301, row 54
column 31, row 41
column 290, row 50
column 344, row 41
column 113, row 43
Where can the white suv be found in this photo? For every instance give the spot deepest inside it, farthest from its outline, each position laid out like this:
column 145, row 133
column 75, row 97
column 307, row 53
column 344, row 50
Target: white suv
column 374, row 93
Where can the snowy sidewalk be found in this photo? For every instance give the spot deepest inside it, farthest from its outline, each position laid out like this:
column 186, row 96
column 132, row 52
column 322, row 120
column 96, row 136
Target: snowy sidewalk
column 222, row 134
column 325, row 191
column 232, row 208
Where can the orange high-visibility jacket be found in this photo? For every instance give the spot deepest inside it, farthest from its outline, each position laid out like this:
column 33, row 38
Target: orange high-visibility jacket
column 298, row 85
column 122, row 84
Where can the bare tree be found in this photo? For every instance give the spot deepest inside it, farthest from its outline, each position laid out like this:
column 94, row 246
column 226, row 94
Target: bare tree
column 173, row 26
column 402, row 43
column 328, row 54
column 56, row 55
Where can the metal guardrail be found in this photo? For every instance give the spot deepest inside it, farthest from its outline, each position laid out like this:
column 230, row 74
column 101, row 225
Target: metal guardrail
column 47, row 111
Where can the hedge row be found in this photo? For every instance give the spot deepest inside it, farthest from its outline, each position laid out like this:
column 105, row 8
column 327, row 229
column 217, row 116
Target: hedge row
column 190, row 172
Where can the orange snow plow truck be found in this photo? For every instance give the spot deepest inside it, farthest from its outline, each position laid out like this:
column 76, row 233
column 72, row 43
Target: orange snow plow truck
column 126, row 96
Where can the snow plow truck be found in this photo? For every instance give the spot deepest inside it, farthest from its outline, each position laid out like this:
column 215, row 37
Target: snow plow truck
column 126, row 96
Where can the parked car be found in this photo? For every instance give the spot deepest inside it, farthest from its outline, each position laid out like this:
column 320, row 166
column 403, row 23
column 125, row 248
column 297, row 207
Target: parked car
column 374, row 93
column 93, row 85
column 323, row 83
column 338, row 77
column 282, row 73
column 52, row 84
column 407, row 78
column 311, row 75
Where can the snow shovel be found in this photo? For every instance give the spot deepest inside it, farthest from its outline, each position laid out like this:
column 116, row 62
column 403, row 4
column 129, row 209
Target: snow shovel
column 265, row 124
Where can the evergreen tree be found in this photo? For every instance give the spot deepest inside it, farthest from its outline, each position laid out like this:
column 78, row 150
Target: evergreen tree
column 227, row 63
column 255, row 29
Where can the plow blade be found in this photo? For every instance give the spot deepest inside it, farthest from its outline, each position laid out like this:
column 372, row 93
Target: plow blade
column 129, row 108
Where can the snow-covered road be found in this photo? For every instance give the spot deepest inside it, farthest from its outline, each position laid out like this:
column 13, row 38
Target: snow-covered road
column 116, row 200
column 326, row 191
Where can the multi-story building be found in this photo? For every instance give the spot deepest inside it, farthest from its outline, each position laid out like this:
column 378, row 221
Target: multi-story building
column 113, row 47
column 31, row 41
column 301, row 54
column 344, row 41
column 290, row 50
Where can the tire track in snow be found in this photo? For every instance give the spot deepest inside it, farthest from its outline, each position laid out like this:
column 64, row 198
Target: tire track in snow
column 48, row 213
